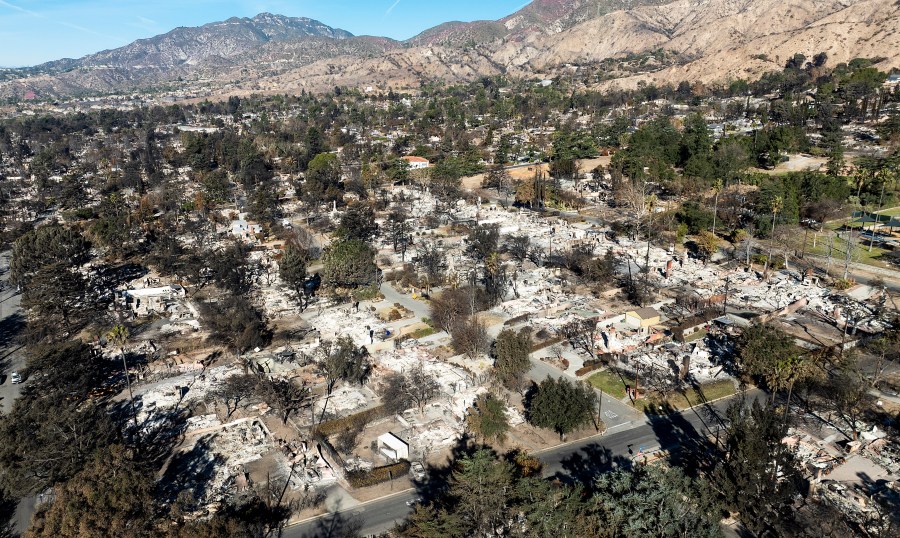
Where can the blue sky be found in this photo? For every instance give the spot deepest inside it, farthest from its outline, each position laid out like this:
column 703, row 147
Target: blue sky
column 35, row 31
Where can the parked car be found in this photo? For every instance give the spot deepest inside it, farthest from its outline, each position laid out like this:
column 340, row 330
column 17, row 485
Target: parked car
column 417, row 470
column 15, row 378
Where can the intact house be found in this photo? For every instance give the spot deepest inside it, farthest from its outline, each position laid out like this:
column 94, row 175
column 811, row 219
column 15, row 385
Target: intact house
column 416, row 163
column 642, row 319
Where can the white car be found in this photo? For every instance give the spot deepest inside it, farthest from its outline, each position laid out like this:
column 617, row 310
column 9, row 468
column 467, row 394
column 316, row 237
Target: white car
column 15, row 378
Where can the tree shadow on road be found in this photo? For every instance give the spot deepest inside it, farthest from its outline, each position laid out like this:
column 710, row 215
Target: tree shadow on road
column 10, row 329
column 7, row 512
column 336, row 525
column 588, row 463
column 690, row 447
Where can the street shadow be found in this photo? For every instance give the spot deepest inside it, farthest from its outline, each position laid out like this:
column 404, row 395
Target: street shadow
column 336, row 525
column 689, row 447
column 588, row 463
column 7, row 513
column 10, row 329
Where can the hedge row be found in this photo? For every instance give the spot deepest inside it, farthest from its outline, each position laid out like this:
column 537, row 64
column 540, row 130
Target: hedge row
column 357, row 421
column 588, row 368
column 364, row 479
column 547, row 343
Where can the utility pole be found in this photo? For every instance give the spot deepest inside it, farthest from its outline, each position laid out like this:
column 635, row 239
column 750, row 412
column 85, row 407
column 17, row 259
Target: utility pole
column 849, row 255
column 830, row 253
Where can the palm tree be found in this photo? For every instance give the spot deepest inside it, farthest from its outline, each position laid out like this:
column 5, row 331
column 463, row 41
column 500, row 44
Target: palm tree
column 117, row 336
column 776, row 205
column 784, row 374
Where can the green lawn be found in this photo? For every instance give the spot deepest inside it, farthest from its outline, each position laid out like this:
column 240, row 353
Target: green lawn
column 707, row 392
column 609, row 382
column 422, row 333
column 861, row 252
column 893, row 212
column 699, row 335
column 691, row 397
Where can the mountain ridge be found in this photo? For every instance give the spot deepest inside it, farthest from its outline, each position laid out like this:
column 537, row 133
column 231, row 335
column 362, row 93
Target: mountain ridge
column 700, row 40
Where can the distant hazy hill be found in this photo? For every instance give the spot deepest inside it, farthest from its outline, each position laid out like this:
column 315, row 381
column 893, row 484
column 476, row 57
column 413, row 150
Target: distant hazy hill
column 545, row 17
column 211, row 50
column 701, row 41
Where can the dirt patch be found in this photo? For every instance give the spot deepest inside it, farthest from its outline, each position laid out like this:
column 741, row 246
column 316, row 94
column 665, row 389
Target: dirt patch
column 376, row 492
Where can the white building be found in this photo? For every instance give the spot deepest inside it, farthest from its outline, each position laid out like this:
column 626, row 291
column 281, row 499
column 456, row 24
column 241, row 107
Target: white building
column 393, row 447
column 242, row 229
column 416, row 163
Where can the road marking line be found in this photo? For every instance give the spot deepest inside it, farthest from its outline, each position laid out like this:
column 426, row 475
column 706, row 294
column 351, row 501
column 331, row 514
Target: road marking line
column 360, row 505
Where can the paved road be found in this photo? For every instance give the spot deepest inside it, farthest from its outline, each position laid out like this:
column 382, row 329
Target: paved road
column 391, row 296
column 576, row 460
column 11, row 358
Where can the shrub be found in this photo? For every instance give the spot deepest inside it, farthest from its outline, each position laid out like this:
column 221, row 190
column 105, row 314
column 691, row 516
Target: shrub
column 588, row 368
column 359, row 420
column 844, row 284
column 378, row 475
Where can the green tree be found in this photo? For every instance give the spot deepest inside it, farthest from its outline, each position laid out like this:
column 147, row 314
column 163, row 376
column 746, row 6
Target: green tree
column 483, row 241
column 399, row 231
column 561, row 406
column 350, row 264
column 654, row 501
column 112, row 496
column 67, row 369
column 292, row 269
column 756, row 475
column 358, row 222
column 488, row 419
column 323, row 180
column 48, row 439
column 762, row 350
column 481, row 485
column 45, row 264
column 511, row 353
column 776, row 204
column 707, row 245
